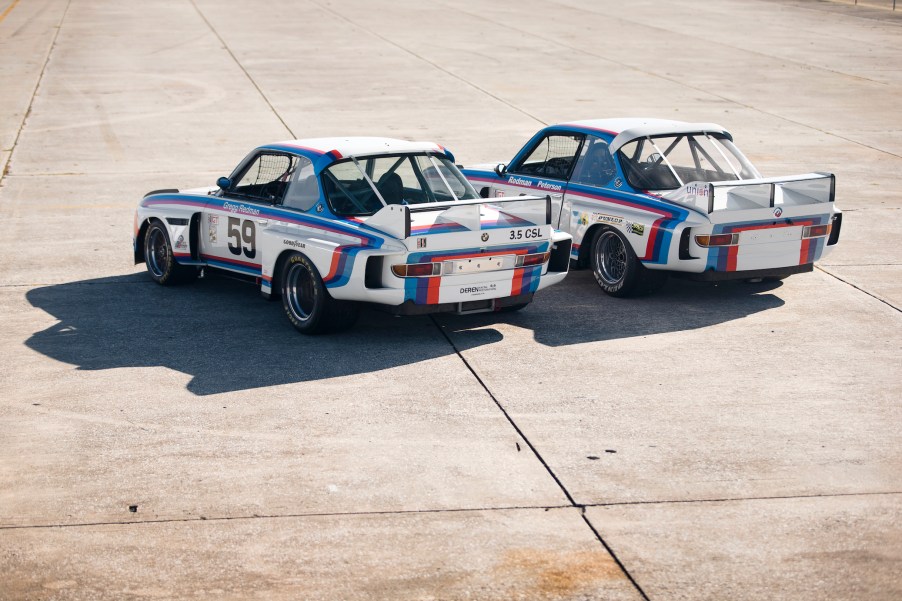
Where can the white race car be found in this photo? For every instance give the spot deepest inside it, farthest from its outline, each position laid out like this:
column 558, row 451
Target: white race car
column 329, row 223
column 647, row 197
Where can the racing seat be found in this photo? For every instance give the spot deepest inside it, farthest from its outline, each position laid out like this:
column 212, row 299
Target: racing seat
column 598, row 167
column 391, row 188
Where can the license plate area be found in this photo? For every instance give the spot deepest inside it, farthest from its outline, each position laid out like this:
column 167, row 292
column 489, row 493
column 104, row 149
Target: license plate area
column 770, row 235
column 478, row 265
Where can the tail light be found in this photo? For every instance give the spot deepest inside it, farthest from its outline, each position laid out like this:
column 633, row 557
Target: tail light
column 717, row 239
column 533, row 259
column 417, row 270
column 816, row 231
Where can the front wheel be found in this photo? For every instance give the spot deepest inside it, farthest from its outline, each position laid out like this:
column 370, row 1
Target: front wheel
column 306, row 301
column 160, row 260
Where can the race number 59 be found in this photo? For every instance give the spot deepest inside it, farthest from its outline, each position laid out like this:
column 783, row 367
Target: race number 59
column 244, row 234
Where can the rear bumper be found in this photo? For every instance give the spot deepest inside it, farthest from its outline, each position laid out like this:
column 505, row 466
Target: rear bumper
column 721, row 276
column 480, row 306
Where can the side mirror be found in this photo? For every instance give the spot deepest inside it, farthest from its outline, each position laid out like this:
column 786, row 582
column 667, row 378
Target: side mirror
column 500, row 169
column 224, row 183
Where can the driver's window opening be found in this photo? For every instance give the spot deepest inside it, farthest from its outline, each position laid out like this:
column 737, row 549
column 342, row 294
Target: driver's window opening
column 362, row 186
column 267, row 177
column 552, row 157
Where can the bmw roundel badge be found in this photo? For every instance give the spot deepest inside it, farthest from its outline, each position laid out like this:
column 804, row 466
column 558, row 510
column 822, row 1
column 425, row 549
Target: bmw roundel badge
column 485, row 237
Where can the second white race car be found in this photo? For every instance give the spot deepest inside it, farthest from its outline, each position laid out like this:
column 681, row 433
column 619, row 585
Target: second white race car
column 647, row 197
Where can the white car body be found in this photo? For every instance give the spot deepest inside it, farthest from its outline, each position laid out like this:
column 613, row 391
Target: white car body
column 472, row 244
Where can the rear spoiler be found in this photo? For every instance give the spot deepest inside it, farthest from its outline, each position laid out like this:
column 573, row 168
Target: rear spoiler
column 394, row 220
column 795, row 190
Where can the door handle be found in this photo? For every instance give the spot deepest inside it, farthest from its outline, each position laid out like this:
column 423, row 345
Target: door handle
column 263, row 222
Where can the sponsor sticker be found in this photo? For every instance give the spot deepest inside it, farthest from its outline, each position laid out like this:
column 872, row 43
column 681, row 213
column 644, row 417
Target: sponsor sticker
column 240, row 208
column 421, row 242
column 637, row 228
column 213, row 225
column 611, row 219
column 180, row 243
column 583, row 219
column 478, row 290
column 293, row 243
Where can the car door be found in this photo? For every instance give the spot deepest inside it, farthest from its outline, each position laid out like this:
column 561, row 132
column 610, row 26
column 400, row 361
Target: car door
column 543, row 169
column 584, row 203
column 232, row 220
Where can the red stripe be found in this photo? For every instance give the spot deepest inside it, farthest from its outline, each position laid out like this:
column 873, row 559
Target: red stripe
column 432, row 291
column 517, row 282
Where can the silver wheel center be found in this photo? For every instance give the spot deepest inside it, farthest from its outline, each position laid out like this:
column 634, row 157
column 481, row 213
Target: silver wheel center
column 610, row 257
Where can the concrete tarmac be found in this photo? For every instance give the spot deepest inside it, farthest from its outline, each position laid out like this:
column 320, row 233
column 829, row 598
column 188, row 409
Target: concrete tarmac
column 707, row 442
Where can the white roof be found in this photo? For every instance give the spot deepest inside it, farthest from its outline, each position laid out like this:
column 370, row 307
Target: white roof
column 360, row 146
column 628, row 129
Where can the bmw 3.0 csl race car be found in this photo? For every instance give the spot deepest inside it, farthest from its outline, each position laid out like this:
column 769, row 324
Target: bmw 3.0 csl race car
column 644, row 197
column 328, row 223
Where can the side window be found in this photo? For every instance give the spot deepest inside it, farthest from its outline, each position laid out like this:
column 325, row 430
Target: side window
column 303, row 190
column 266, row 178
column 595, row 166
column 553, row 156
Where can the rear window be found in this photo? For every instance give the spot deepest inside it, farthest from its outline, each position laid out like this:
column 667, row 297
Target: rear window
column 668, row 162
column 363, row 186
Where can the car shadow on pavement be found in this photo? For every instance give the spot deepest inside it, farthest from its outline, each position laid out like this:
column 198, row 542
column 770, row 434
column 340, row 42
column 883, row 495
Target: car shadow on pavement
column 227, row 338
column 577, row 311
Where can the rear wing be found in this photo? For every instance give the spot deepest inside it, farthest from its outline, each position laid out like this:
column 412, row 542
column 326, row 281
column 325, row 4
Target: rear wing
column 394, row 220
column 795, row 190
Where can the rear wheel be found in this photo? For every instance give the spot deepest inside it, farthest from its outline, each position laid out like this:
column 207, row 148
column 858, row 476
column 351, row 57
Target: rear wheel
column 306, row 301
column 160, row 260
column 617, row 269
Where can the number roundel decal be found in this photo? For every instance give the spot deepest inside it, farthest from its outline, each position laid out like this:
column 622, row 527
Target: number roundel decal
column 244, row 235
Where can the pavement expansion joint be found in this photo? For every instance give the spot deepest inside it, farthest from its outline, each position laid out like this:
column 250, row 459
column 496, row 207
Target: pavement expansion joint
column 261, row 516
column 432, row 64
column 573, row 503
column 5, row 170
column 738, row 499
column 873, row 295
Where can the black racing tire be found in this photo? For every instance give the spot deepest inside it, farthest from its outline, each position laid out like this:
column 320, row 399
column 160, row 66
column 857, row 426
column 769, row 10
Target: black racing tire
column 618, row 270
column 160, row 260
column 307, row 303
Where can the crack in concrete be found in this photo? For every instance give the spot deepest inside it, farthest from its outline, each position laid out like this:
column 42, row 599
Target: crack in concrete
column 544, row 463
column 873, row 295
column 4, row 171
column 243, row 70
column 430, row 63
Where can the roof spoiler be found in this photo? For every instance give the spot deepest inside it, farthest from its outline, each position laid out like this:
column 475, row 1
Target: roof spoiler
column 394, row 220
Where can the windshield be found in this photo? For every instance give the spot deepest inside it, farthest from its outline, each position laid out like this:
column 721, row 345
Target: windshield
column 359, row 187
column 668, row 162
